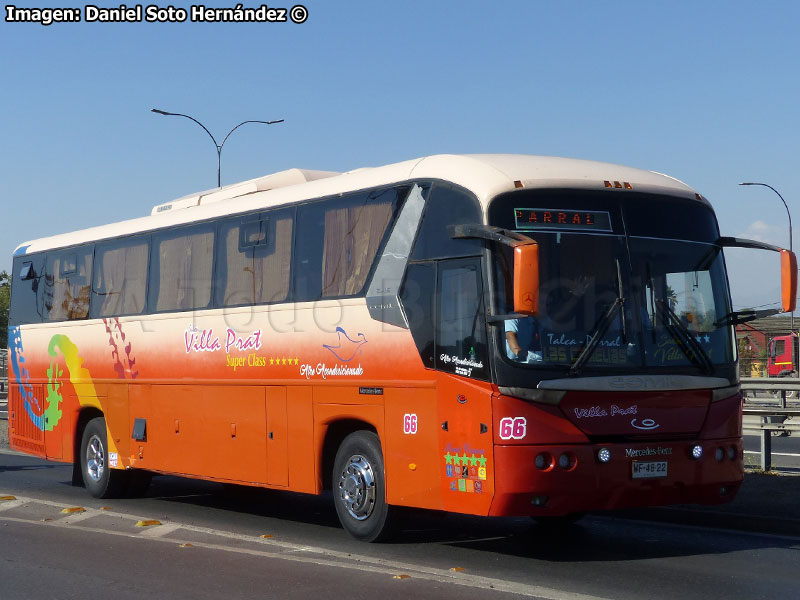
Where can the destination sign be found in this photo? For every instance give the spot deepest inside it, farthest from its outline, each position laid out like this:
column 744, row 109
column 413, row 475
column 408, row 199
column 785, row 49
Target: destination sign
column 550, row 218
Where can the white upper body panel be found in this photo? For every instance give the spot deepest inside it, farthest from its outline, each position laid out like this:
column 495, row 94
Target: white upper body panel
column 485, row 175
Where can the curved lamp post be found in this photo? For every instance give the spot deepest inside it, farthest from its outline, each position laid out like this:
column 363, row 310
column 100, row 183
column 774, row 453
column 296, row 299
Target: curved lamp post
column 790, row 223
column 213, row 139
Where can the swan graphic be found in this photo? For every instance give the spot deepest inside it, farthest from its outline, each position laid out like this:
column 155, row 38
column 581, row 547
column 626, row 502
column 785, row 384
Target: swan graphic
column 346, row 348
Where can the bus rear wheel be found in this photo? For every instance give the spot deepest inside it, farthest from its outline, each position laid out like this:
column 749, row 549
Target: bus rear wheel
column 100, row 480
column 359, row 489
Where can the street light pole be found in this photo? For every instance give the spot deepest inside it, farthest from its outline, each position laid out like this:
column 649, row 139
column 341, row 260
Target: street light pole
column 213, row 139
column 790, row 225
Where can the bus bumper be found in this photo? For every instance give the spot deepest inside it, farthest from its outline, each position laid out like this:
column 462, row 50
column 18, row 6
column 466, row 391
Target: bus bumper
column 571, row 478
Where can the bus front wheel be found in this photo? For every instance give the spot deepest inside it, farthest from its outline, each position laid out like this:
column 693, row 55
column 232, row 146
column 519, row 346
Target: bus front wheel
column 359, row 489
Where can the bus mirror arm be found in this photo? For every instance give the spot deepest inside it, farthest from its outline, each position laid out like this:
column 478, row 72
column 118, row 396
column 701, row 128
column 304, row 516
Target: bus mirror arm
column 526, row 261
column 788, row 268
column 743, row 316
column 487, row 232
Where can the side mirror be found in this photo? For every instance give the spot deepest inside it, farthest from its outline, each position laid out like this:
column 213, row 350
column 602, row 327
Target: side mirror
column 526, row 261
column 788, row 274
column 526, row 278
column 788, row 281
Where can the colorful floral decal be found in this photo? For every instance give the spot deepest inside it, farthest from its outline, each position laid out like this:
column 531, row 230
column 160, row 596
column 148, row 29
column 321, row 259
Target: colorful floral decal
column 121, row 352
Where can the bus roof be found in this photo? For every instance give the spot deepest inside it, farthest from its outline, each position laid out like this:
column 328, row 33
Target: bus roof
column 485, row 175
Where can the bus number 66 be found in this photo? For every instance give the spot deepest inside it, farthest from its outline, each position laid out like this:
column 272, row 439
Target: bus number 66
column 513, row 428
column 410, row 424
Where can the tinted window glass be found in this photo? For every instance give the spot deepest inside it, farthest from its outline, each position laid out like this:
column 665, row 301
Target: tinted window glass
column 676, row 218
column 120, row 277
column 337, row 243
column 645, row 215
column 418, row 304
column 26, row 302
column 181, row 265
column 254, row 259
column 67, row 284
column 446, row 206
column 308, row 253
column 461, row 332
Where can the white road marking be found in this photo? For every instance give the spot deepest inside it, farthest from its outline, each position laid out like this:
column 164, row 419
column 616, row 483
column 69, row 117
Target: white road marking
column 86, row 513
column 158, row 531
column 6, row 504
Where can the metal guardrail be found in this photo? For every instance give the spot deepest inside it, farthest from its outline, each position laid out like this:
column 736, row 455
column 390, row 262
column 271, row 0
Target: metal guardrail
column 768, row 420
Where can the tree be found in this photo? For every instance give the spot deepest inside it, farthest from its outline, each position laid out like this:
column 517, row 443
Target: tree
column 5, row 301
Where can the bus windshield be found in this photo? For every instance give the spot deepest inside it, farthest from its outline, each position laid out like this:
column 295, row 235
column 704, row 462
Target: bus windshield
column 614, row 301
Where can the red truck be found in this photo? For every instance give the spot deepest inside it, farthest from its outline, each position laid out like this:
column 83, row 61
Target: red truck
column 782, row 356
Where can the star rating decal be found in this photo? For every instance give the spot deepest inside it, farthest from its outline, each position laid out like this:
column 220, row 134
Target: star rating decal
column 278, row 361
column 466, row 471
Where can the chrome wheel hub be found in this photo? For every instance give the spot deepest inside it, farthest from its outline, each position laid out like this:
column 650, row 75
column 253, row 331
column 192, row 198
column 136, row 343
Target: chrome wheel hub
column 357, row 487
column 95, row 458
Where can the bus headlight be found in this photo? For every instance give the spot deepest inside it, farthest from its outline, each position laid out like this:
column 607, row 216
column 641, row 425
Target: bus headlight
column 604, row 455
column 697, row 451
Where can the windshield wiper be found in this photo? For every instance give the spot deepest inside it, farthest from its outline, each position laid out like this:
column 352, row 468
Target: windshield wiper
column 602, row 326
column 684, row 338
column 597, row 335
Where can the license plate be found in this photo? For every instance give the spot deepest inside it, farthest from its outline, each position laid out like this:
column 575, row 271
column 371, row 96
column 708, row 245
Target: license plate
column 645, row 470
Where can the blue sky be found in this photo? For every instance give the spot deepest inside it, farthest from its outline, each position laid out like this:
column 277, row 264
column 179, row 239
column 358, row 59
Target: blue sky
column 704, row 91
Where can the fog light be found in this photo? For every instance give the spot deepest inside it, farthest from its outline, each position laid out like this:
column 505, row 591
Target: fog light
column 543, row 461
column 604, row 455
column 539, row 500
column 732, row 453
column 719, row 454
column 697, row 451
column 564, row 461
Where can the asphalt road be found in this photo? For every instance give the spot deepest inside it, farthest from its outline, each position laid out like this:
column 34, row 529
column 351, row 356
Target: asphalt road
column 209, row 545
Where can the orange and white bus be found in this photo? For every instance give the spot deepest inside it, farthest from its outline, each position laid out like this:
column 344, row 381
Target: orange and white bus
column 485, row 334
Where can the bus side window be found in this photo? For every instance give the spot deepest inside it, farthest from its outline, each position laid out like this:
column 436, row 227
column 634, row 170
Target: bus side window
column 337, row 242
column 308, row 245
column 417, row 297
column 67, row 283
column 120, row 277
column 255, row 268
column 27, row 279
column 447, row 205
column 180, row 268
column 461, row 328
column 353, row 233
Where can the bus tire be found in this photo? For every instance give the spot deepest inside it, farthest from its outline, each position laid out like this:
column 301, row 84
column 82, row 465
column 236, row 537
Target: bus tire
column 359, row 488
column 100, row 480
